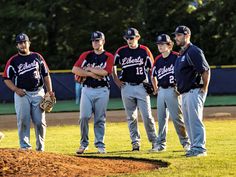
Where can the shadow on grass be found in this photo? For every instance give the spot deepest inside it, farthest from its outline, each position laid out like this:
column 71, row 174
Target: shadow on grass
column 158, row 163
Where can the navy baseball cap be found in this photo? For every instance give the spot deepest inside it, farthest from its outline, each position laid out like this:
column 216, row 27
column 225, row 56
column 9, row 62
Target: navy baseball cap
column 97, row 35
column 163, row 39
column 182, row 30
column 131, row 32
column 22, row 37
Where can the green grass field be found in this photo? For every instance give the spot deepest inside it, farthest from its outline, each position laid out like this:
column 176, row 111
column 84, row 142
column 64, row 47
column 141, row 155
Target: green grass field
column 221, row 145
column 116, row 104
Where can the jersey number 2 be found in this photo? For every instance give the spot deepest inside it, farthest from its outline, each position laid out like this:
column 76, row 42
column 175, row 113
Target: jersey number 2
column 171, row 79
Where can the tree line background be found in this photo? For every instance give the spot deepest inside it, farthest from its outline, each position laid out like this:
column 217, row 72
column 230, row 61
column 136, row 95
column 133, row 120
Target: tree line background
column 60, row 30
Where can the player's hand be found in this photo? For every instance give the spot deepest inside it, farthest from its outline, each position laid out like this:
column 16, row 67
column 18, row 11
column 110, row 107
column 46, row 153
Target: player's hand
column 20, row 92
column 119, row 83
column 51, row 93
column 155, row 92
column 203, row 90
column 95, row 76
column 176, row 91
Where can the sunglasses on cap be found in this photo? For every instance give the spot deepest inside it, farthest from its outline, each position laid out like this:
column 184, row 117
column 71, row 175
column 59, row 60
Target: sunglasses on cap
column 129, row 38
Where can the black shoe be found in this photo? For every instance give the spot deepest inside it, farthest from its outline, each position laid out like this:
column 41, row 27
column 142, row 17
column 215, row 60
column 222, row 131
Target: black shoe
column 136, row 147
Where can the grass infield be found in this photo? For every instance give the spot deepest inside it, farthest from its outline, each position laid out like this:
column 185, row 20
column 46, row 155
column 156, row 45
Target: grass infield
column 221, row 159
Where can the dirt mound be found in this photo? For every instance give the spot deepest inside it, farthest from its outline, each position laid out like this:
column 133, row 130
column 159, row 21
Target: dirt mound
column 14, row 162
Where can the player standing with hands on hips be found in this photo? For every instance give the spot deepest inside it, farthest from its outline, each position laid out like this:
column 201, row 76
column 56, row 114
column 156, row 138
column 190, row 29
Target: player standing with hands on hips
column 95, row 66
column 168, row 101
column 25, row 74
column 135, row 60
column 192, row 74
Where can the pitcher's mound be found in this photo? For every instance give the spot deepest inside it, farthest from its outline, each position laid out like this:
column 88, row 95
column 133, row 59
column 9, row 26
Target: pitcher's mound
column 14, row 162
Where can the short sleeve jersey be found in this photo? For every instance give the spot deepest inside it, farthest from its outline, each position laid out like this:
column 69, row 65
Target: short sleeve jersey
column 27, row 72
column 91, row 59
column 134, row 63
column 163, row 69
column 189, row 67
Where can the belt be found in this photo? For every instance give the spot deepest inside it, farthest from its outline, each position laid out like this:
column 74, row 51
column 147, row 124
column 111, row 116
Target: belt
column 33, row 89
column 99, row 86
column 133, row 83
column 168, row 86
column 196, row 86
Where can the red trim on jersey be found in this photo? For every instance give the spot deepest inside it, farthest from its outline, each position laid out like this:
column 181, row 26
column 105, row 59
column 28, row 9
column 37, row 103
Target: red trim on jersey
column 157, row 57
column 44, row 62
column 149, row 53
column 7, row 66
column 81, row 58
column 122, row 47
column 110, row 61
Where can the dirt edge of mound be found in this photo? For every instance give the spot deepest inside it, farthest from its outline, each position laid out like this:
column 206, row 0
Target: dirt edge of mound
column 15, row 162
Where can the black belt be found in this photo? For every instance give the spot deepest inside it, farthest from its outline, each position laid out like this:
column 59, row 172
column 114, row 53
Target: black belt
column 33, row 89
column 196, row 86
column 167, row 86
column 97, row 86
column 133, row 83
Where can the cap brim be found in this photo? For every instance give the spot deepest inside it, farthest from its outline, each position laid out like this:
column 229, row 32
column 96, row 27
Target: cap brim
column 96, row 39
column 21, row 41
column 162, row 42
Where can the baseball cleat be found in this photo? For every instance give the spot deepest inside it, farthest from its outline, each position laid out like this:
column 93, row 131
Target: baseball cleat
column 158, row 148
column 135, row 147
column 101, row 150
column 194, row 153
column 25, row 148
column 81, row 150
column 187, row 147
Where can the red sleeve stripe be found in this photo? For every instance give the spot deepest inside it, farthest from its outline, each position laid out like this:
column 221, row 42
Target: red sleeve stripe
column 79, row 62
column 125, row 46
column 157, row 57
column 8, row 66
column 149, row 53
column 109, row 62
column 43, row 60
column 154, row 67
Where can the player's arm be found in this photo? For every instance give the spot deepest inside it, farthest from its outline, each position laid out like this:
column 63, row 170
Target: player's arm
column 106, row 70
column 12, row 86
column 48, row 84
column 154, row 84
column 97, row 71
column 117, row 81
column 84, row 73
column 206, row 79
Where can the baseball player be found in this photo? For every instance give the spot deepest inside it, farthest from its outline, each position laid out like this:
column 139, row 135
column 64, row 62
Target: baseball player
column 25, row 74
column 96, row 66
column 192, row 74
column 165, row 86
column 135, row 60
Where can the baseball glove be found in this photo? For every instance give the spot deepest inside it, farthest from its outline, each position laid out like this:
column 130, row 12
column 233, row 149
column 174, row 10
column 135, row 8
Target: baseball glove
column 148, row 87
column 48, row 102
